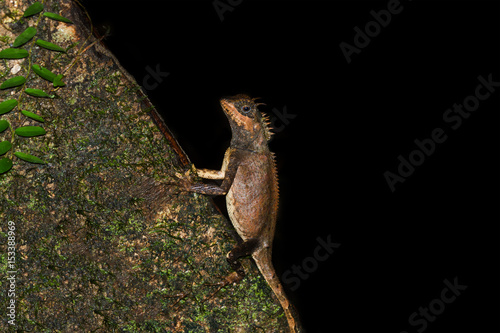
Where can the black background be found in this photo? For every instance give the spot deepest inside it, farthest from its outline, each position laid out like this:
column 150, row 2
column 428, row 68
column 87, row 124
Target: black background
column 352, row 121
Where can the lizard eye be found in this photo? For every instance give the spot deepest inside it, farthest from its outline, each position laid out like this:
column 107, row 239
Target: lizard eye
column 245, row 108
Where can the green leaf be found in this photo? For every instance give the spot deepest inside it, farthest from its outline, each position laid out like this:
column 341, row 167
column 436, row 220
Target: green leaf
column 5, row 147
column 58, row 82
column 56, row 17
column 24, row 37
column 29, row 158
column 5, row 165
column 29, row 131
column 33, row 116
column 8, row 105
column 37, row 93
column 33, row 9
column 49, row 46
column 11, row 53
column 13, row 82
column 4, row 124
column 44, row 72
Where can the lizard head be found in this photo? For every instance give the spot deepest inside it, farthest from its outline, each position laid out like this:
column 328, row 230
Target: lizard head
column 248, row 125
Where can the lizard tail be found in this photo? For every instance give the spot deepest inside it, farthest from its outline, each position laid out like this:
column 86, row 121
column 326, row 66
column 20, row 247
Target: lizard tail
column 262, row 257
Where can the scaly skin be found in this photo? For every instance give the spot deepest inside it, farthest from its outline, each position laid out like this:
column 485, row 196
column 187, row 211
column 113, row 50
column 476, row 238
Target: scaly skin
column 250, row 183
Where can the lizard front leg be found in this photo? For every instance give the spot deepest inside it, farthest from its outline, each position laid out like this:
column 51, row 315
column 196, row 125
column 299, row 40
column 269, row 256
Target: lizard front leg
column 216, row 174
column 226, row 173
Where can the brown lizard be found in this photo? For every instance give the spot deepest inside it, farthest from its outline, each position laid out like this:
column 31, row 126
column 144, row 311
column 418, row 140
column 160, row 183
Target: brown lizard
column 250, row 183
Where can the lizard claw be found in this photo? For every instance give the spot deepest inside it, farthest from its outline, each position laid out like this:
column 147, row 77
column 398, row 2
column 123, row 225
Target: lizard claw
column 184, row 180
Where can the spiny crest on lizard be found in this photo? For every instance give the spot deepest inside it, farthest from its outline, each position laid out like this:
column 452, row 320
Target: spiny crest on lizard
column 243, row 114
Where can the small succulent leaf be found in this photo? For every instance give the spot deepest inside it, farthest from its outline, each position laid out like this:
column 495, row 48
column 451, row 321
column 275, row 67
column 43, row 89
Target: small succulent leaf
column 43, row 72
column 4, row 124
column 5, row 147
column 49, row 46
column 58, row 81
column 5, row 165
column 33, row 116
column 33, row 9
column 24, row 37
column 11, row 53
column 37, row 93
column 13, row 82
column 29, row 131
column 29, row 158
column 8, row 105
column 57, row 17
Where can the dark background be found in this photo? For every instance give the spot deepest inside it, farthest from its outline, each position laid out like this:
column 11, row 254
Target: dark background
column 352, row 121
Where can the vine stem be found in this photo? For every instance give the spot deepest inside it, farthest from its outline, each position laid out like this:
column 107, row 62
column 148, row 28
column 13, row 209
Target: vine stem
column 82, row 50
column 72, row 63
column 30, row 52
column 21, row 93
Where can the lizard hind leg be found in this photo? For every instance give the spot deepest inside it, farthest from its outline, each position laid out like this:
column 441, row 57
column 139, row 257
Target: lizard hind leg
column 242, row 249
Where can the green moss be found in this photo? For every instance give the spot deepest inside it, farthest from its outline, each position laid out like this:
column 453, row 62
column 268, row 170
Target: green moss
column 101, row 250
column 5, row 39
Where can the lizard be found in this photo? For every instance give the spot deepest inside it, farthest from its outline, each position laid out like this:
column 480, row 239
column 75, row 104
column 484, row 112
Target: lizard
column 250, row 184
